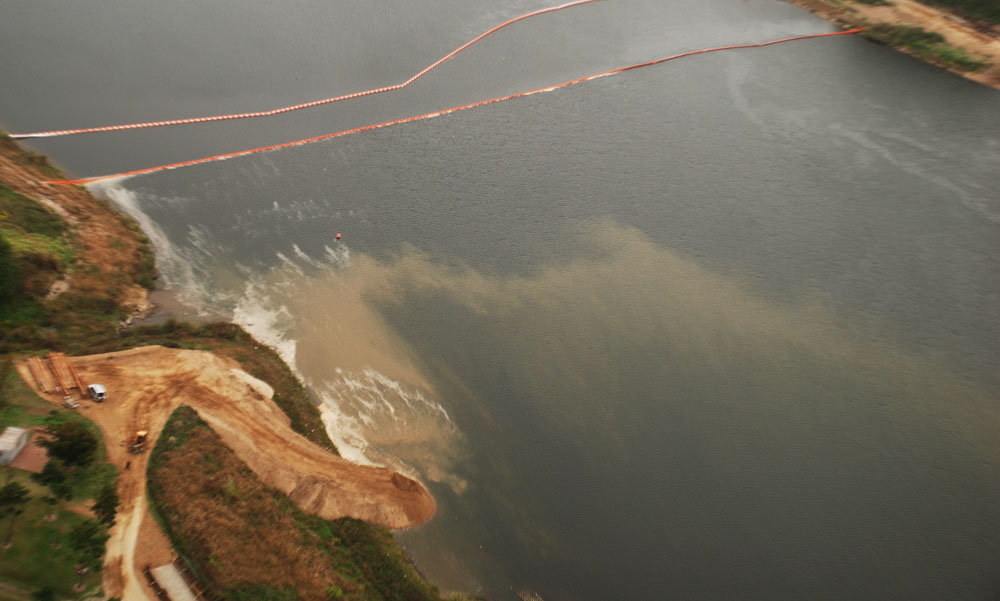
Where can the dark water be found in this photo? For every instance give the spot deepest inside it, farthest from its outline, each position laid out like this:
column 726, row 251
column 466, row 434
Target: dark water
column 724, row 328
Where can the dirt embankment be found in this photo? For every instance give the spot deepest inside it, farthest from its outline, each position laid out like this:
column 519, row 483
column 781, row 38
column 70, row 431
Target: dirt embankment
column 957, row 31
column 146, row 384
column 111, row 250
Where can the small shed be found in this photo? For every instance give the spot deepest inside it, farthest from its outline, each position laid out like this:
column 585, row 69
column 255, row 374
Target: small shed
column 11, row 442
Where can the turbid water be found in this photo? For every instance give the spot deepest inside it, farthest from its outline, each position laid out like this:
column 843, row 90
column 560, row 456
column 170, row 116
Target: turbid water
column 720, row 329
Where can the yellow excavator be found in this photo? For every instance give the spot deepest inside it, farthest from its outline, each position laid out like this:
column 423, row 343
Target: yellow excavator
column 138, row 442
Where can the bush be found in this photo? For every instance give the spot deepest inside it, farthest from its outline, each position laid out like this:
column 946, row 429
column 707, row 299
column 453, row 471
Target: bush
column 929, row 44
column 10, row 273
column 50, row 474
column 46, row 593
column 106, row 504
column 88, row 539
column 29, row 215
column 72, row 443
column 977, row 10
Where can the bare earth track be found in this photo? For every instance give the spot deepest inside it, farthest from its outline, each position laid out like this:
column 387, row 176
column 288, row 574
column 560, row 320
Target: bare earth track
column 146, row 384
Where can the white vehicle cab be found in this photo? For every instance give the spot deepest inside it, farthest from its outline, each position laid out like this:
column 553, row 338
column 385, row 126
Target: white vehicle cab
column 97, row 393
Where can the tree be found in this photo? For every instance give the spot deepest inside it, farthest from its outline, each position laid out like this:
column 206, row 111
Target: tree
column 13, row 493
column 62, row 490
column 50, row 474
column 88, row 539
column 12, row 496
column 5, row 368
column 10, row 273
column 46, row 593
column 51, row 502
column 106, row 504
column 71, row 442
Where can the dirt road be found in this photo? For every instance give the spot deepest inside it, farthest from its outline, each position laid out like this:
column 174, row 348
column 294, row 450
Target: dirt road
column 146, row 384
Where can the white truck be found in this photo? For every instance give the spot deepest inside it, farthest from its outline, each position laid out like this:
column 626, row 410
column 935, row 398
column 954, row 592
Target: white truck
column 97, row 392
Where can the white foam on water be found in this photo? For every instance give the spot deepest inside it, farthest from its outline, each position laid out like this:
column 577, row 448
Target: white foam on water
column 369, row 415
column 302, row 255
column 265, row 322
column 290, row 264
column 338, row 257
column 180, row 271
column 344, row 431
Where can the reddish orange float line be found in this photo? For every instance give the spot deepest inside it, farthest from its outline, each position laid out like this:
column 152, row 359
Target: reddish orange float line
column 219, row 157
column 305, row 105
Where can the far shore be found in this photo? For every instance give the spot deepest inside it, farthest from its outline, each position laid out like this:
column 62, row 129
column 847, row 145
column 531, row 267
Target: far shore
column 957, row 31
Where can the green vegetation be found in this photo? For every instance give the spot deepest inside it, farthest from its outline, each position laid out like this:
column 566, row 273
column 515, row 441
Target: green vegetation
column 927, row 44
column 41, row 557
column 975, row 10
column 87, row 538
column 34, row 251
column 11, row 274
column 72, row 443
column 106, row 505
column 875, row 2
column 246, row 540
column 40, row 553
column 20, row 211
column 13, row 496
column 145, row 261
column 26, row 410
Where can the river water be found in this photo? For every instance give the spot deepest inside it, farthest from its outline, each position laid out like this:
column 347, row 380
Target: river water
column 725, row 328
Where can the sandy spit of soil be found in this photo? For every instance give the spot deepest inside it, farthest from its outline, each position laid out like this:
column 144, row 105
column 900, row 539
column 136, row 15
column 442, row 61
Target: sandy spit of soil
column 146, row 384
column 957, row 31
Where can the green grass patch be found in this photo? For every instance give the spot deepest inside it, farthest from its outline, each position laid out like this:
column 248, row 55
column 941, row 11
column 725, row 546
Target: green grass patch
column 19, row 405
column 20, row 211
column 40, row 553
column 928, row 44
column 40, row 244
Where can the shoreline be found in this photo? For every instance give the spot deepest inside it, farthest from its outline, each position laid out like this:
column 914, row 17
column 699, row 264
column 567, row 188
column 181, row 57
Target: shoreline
column 107, row 246
column 957, row 31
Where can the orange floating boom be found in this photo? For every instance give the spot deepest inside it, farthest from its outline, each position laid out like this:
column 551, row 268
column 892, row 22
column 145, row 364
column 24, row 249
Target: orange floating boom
column 455, row 109
column 305, row 105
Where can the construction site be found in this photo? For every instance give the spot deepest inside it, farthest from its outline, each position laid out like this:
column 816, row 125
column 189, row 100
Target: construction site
column 140, row 388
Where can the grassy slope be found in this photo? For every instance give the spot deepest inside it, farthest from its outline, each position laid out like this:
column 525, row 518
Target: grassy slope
column 246, row 540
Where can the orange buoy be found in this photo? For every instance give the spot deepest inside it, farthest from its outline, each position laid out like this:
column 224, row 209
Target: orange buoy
column 338, row 236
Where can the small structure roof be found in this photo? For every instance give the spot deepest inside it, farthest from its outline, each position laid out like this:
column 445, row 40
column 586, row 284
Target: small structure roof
column 10, row 438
